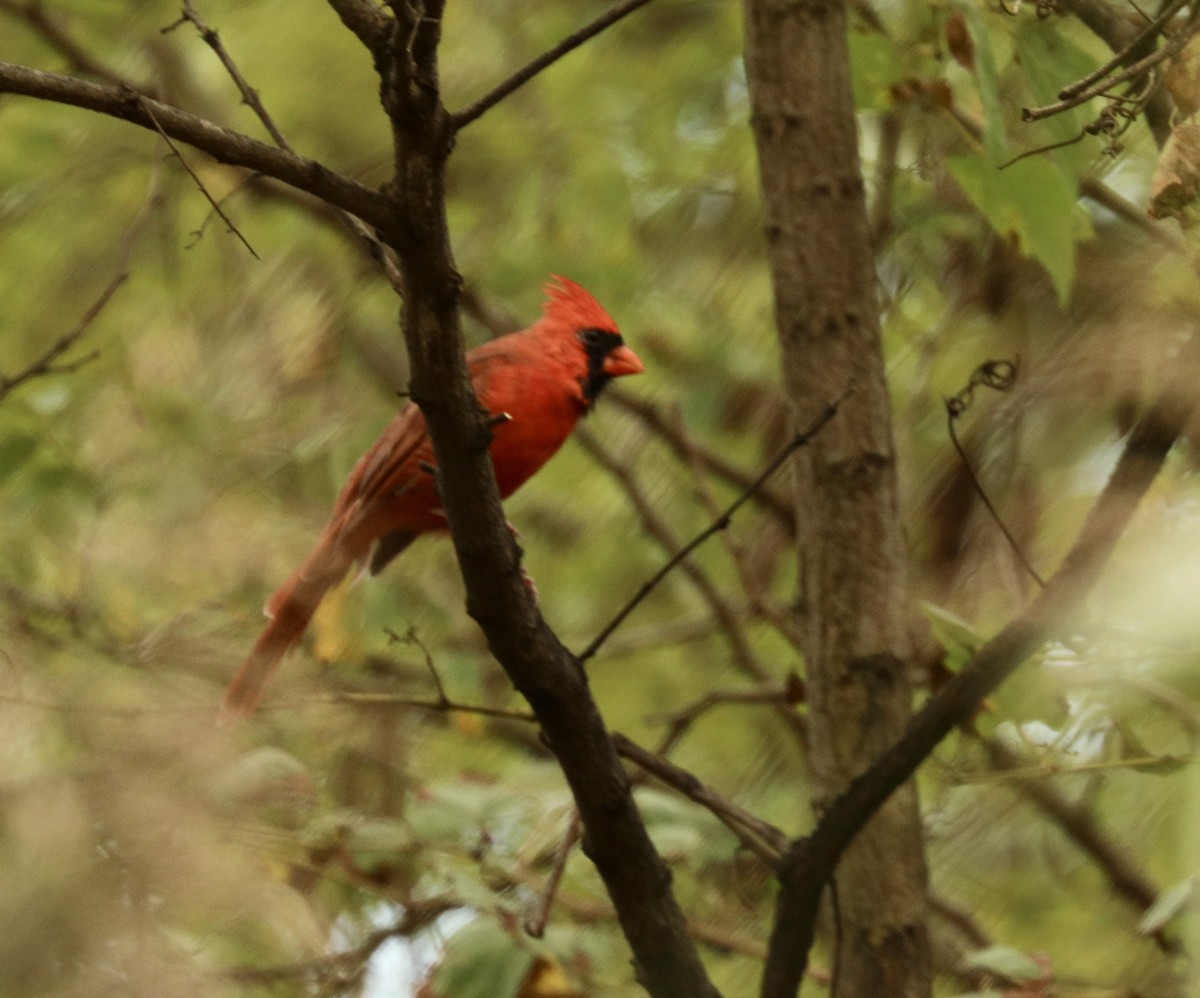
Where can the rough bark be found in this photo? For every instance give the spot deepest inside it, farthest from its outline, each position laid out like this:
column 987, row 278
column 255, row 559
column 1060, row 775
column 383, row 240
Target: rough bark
column 854, row 608
column 666, row 961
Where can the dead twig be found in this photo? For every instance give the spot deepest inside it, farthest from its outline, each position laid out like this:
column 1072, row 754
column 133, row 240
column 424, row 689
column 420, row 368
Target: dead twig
column 800, row 439
column 489, row 100
column 762, row 838
column 230, row 227
column 54, row 33
column 536, row 926
column 678, row 723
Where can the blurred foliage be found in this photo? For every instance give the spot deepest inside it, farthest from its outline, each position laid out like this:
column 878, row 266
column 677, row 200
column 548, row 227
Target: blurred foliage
column 155, row 496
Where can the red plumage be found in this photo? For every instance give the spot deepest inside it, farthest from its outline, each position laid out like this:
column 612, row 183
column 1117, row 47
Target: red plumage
column 544, row 378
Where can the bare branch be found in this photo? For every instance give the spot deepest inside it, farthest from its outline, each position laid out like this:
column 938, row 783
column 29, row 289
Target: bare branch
column 222, row 144
column 55, row 34
column 792, row 692
column 345, row 967
column 378, row 251
column 1099, row 89
column 760, row 603
column 654, row 420
column 216, row 207
column 762, row 838
column 811, row 861
column 536, row 926
column 727, row 616
column 1145, row 37
column 249, row 95
column 48, row 363
column 463, row 118
column 801, row 439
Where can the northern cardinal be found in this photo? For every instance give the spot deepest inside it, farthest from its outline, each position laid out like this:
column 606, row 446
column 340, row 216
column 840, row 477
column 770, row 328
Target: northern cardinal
column 537, row 382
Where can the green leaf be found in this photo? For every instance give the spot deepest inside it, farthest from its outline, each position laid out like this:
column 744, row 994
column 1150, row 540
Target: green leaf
column 1031, row 200
column 1051, row 60
column 1005, row 962
column 1169, row 904
column 482, row 961
column 957, row 636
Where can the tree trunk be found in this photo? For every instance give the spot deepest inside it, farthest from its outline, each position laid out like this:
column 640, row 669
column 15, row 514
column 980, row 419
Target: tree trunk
column 854, row 607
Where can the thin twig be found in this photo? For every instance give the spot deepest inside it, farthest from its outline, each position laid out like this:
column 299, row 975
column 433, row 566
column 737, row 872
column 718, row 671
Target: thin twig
column 52, row 31
column 46, row 364
column 678, row 723
column 999, row 375
column 536, row 926
column 410, row 637
column 1152, row 29
column 438, row 705
column 801, row 439
column 652, row 417
column 337, row 966
column 727, row 616
column 759, row 602
column 1097, row 90
column 213, row 40
column 762, row 838
column 145, row 105
column 485, row 103
column 378, row 252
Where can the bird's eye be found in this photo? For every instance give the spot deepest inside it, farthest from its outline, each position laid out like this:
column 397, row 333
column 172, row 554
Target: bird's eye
column 599, row 340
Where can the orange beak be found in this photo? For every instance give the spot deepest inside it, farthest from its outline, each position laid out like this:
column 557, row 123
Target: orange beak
column 621, row 361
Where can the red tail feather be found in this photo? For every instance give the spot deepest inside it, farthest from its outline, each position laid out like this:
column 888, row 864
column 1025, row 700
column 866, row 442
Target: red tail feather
column 291, row 607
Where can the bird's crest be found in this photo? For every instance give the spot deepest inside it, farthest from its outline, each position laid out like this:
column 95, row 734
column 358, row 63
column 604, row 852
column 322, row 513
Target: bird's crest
column 571, row 305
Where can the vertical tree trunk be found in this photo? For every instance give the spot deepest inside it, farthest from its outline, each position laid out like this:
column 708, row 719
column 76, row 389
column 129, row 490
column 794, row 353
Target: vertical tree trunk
column 854, row 607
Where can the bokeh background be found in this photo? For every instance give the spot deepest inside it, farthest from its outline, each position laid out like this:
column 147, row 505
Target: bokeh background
column 154, row 497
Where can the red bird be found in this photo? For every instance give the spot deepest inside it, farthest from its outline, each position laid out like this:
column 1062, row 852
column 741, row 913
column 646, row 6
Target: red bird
column 543, row 378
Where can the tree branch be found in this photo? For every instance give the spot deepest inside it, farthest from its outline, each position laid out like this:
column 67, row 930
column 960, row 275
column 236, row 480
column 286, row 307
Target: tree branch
column 50, row 29
column 222, row 144
column 800, row 439
column 366, row 21
column 653, row 419
column 762, row 838
column 485, row 103
column 549, row 677
column 811, row 861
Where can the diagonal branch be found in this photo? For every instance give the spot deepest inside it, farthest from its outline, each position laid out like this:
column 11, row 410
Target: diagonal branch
column 550, row 678
column 811, row 861
column 801, row 439
column 548, row 58
column 653, row 418
column 252, row 100
column 762, row 838
column 222, row 144
column 55, row 34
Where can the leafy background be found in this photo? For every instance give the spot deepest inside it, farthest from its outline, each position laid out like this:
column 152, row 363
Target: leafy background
column 154, row 497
